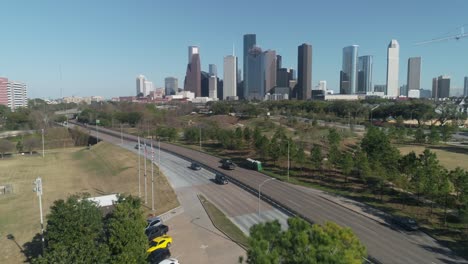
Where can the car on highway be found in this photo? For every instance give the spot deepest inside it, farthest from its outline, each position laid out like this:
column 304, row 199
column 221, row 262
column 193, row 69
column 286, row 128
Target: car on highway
column 160, row 242
column 156, row 231
column 228, row 165
column 195, row 166
column 170, row 261
column 159, row 255
column 406, row 223
column 221, row 179
column 154, row 221
column 136, row 146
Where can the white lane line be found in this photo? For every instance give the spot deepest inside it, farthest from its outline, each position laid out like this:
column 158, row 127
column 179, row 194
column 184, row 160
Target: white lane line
column 296, row 204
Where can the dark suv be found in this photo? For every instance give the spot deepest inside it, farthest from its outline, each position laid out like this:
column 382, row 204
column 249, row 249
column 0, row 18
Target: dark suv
column 195, row 166
column 156, row 231
column 159, row 255
column 228, row 165
column 406, row 223
column 221, row 179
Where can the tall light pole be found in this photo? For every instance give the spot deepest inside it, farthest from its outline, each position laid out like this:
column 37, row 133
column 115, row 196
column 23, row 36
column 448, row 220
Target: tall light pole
column 139, row 168
column 259, row 192
column 200, row 139
column 97, row 131
column 43, row 154
column 121, row 134
column 38, row 190
column 146, row 188
column 152, row 176
column 288, row 160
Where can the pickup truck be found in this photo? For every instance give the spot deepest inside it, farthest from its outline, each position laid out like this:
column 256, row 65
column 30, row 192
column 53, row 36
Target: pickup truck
column 156, row 231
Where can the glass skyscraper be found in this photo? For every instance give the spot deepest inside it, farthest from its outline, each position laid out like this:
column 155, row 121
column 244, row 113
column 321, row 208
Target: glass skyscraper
column 349, row 70
column 250, row 40
column 255, row 79
column 414, row 73
column 304, row 72
column 365, row 64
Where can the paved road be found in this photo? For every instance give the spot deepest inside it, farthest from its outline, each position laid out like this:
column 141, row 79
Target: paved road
column 384, row 243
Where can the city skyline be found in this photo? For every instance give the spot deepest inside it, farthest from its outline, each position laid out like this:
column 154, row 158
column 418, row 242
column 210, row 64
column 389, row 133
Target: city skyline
column 96, row 52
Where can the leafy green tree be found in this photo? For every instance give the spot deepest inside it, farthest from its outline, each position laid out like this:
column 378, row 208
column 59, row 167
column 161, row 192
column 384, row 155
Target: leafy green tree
column 31, row 144
column 434, row 136
column 127, row 242
column 362, row 165
column 334, row 155
column 19, row 146
column 247, row 134
column 333, row 137
column 299, row 155
column 419, row 136
column 459, row 178
column 379, row 149
column 303, row 243
column 447, row 132
column 316, row 156
column 5, row 146
column 347, row 165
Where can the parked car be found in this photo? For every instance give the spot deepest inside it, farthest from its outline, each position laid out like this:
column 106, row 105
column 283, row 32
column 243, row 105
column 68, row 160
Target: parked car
column 155, row 221
column 160, row 242
column 170, row 261
column 228, row 165
column 195, row 166
column 406, row 223
column 159, row 255
column 221, row 179
column 156, row 231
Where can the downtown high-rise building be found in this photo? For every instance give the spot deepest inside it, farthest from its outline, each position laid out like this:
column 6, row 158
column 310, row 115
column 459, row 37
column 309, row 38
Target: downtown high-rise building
column 365, row 64
column 393, row 66
column 212, row 86
column 349, row 70
column 250, row 40
column 192, row 82
column 269, row 70
column 304, row 72
column 465, row 87
column 140, row 85
column 441, row 87
column 148, row 88
column 229, row 77
column 171, row 85
column 213, row 70
column 414, row 74
column 13, row 94
column 254, row 85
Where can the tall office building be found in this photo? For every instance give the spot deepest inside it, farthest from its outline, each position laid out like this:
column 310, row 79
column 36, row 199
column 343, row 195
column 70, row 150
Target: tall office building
column 349, row 70
column 279, row 62
column 13, row 94
column 205, row 84
column 250, row 40
column 213, row 86
column 365, row 64
column 171, row 85
column 229, row 77
column 441, row 87
column 465, row 89
column 140, row 85
column 192, row 82
column 322, row 85
column 213, row 70
column 282, row 77
column 435, row 92
column 393, row 64
column 148, row 88
column 269, row 70
column 254, row 85
column 304, row 71
column 414, row 74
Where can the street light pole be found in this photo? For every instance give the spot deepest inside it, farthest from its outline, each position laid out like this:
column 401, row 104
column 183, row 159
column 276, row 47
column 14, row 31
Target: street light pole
column 259, row 192
column 38, row 190
column 43, row 154
column 121, row 134
column 152, row 176
column 146, row 188
column 200, row 140
column 288, row 160
column 139, row 168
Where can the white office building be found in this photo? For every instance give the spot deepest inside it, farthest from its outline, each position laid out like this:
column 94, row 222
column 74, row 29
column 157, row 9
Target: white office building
column 213, row 87
column 393, row 64
column 17, row 95
column 148, row 88
column 140, row 84
column 230, row 77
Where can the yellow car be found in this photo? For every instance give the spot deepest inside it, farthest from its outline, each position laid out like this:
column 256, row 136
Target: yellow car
column 160, row 242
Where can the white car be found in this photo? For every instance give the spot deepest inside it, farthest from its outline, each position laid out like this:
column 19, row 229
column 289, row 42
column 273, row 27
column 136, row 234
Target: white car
column 155, row 221
column 170, row 261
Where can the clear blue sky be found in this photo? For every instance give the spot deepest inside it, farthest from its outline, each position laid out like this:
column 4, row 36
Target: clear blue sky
column 101, row 46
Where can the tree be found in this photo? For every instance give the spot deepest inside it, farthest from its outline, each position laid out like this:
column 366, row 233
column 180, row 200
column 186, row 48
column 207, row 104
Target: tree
column 434, row 136
column 347, row 165
column 127, row 243
column 316, row 157
column 378, row 148
column 247, row 134
column 5, row 146
column 419, row 136
column 334, row 155
column 31, row 144
column 19, row 146
column 362, row 165
column 333, row 137
column 303, row 243
column 447, row 131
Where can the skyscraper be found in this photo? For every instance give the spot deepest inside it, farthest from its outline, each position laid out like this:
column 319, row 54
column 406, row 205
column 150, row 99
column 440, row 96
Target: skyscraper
column 304, row 71
column 393, row 64
column 171, row 85
column 465, row 90
column 269, row 70
column 192, row 80
column 282, row 77
column 229, row 77
column 365, row 64
column 250, row 40
column 213, row 71
column 140, row 85
column 349, row 70
column 414, row 74
column 279, row 62
column 441, row 87
column 435, row 90
column 13, row 94
column 213, row 86
column 255, row 88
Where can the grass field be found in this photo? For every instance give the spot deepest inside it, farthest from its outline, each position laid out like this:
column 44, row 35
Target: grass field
column 450, row 157
column 103, row 169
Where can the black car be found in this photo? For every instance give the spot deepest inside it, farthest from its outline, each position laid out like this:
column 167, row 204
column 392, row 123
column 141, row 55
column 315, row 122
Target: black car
column 228, row 165
column 221, row 179
column 406, row 223
column 195, row 166
column 159, row 255
column 156, row 231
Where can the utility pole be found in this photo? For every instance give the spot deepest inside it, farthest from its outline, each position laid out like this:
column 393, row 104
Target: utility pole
column 152, row 176
column 200, row 139
column 139, row 168
column 121, row 134
column 38, row 190
column 97, row 131
column 288, row 160
column 146, row 188
column 43, row 154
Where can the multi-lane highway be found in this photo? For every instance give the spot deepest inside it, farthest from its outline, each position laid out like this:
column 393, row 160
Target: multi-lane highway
column 384, row 243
